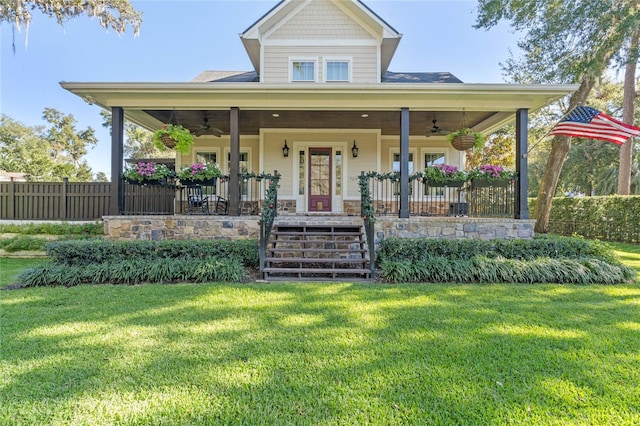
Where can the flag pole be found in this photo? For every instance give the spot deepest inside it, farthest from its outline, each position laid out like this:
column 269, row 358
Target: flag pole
column 550, row 130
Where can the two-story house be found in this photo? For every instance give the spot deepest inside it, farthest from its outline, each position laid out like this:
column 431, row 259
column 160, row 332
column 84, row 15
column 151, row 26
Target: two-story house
column 320, row 107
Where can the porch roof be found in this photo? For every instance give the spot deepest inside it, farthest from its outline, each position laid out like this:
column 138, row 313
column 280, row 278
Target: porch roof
column 486, row 107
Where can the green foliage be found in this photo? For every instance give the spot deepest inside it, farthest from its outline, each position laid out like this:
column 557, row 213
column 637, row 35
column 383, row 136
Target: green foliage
column 61, row 228
column 147, row 171
column 46, row 154
column 22, row 243
column 82, row 253
column 199, row 172
column 443, row 173
column 479, row 138
column 182, row 137
column 612, row 218
column 482, row 269
column 134, row 271
column 417, row 249
column 116, row 15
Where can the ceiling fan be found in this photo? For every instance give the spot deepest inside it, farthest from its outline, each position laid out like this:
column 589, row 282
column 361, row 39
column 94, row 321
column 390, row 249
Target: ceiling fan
column 435, row 129
column 205, row 129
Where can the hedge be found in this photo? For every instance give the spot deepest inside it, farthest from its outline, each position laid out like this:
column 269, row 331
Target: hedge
column 418, row 249
column 546, row 259
column 609, row 218
column 78, row 253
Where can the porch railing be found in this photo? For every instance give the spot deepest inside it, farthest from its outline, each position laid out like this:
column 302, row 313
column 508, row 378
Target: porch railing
column 496, row 199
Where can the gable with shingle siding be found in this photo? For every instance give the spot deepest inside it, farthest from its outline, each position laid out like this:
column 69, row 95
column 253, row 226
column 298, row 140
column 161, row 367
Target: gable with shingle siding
column 320, row 20
column 321, row 31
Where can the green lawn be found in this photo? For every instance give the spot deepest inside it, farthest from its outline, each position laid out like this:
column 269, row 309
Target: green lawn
column 332, row 353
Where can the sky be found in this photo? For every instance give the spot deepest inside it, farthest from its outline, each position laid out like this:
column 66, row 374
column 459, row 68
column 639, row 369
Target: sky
column 179, row 39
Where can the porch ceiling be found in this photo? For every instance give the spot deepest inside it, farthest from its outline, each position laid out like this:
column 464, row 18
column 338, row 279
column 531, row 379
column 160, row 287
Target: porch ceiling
column 487, row 107
column 251, row 121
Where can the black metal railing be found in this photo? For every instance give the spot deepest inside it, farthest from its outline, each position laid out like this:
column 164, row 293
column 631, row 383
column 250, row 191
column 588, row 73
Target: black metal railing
column 148, row 199
column 268, row 213
column 458, row 198
column 251, row 188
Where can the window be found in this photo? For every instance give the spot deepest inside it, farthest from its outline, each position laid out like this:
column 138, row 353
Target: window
column 396, row 168
column 433, row 159
column 206, row 157
column 303, row 71
column 396, row 162
column 244, row 168
column 337, row 71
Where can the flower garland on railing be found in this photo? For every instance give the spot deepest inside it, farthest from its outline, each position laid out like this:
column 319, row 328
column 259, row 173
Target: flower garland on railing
column 270, row 195
column 365, row 197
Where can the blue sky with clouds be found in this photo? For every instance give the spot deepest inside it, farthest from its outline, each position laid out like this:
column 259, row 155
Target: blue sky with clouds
column 179, row 39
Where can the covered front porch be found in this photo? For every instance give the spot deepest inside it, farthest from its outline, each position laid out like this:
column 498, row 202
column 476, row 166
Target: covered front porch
column 321, row 138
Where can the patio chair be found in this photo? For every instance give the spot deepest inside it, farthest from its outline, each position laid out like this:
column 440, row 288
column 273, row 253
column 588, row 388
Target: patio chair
column 198, row 202
column 222, row 205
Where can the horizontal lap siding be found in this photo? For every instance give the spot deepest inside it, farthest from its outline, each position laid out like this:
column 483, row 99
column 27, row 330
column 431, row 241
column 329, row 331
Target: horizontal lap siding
column 363, row 61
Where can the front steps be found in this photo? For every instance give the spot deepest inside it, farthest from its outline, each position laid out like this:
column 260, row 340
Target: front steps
column 317, row 250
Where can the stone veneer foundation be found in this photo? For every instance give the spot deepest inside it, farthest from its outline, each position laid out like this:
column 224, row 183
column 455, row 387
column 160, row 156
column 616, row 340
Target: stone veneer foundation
column 181, row 227
column 453, row 228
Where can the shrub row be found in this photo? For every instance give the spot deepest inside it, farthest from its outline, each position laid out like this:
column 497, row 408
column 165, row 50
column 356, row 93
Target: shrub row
column 134, row 271
column 420, row 249
column 612, row 218
column 494, row 270
column 63, row 228
column 79, row 253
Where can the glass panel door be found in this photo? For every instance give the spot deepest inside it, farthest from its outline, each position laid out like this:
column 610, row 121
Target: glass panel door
column 319, row 179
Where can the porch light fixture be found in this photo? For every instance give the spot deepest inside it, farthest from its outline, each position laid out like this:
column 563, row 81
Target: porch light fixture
column 354, row 150
column 285, row 149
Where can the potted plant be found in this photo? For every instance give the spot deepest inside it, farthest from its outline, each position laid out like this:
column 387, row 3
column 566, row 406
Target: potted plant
column 488, row 175
column 173, row 136
column 465, row 138
column 199, row 174
column 148, row 173
column 444, row 175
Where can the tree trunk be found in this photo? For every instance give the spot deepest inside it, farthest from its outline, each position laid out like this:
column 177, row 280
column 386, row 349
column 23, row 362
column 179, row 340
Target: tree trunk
column 558, row 155
column 626, row 150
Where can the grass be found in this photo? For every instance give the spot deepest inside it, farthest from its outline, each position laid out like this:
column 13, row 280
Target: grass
column 331, row 354
column 629, row 254
column 9, row 267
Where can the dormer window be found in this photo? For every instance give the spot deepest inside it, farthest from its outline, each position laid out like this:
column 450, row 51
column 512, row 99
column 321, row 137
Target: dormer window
column 337, row 70
column 303, row 70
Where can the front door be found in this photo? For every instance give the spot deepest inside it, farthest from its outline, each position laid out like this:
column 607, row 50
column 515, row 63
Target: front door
column 319, row 179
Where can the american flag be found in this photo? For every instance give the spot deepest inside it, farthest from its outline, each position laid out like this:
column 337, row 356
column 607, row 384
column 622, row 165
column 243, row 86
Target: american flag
column 589, row 123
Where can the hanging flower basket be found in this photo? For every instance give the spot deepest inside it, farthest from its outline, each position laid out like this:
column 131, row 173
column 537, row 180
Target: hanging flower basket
column 168, row 141
column 173, row 136
column 465, row 138
column 462, row 143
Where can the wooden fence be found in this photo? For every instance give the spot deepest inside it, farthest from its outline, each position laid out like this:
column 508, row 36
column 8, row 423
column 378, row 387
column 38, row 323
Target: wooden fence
column 78, row 200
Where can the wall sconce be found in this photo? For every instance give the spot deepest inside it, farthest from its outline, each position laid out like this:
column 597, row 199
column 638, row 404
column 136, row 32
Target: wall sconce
column 285, row 149
column 354, row 150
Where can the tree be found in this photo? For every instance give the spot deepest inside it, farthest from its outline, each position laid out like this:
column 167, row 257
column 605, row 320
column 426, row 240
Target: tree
column 626, row 150
column 114, row 14
column 44, row 153
column 499, row 150
column 138, row 141
column 570, row 42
